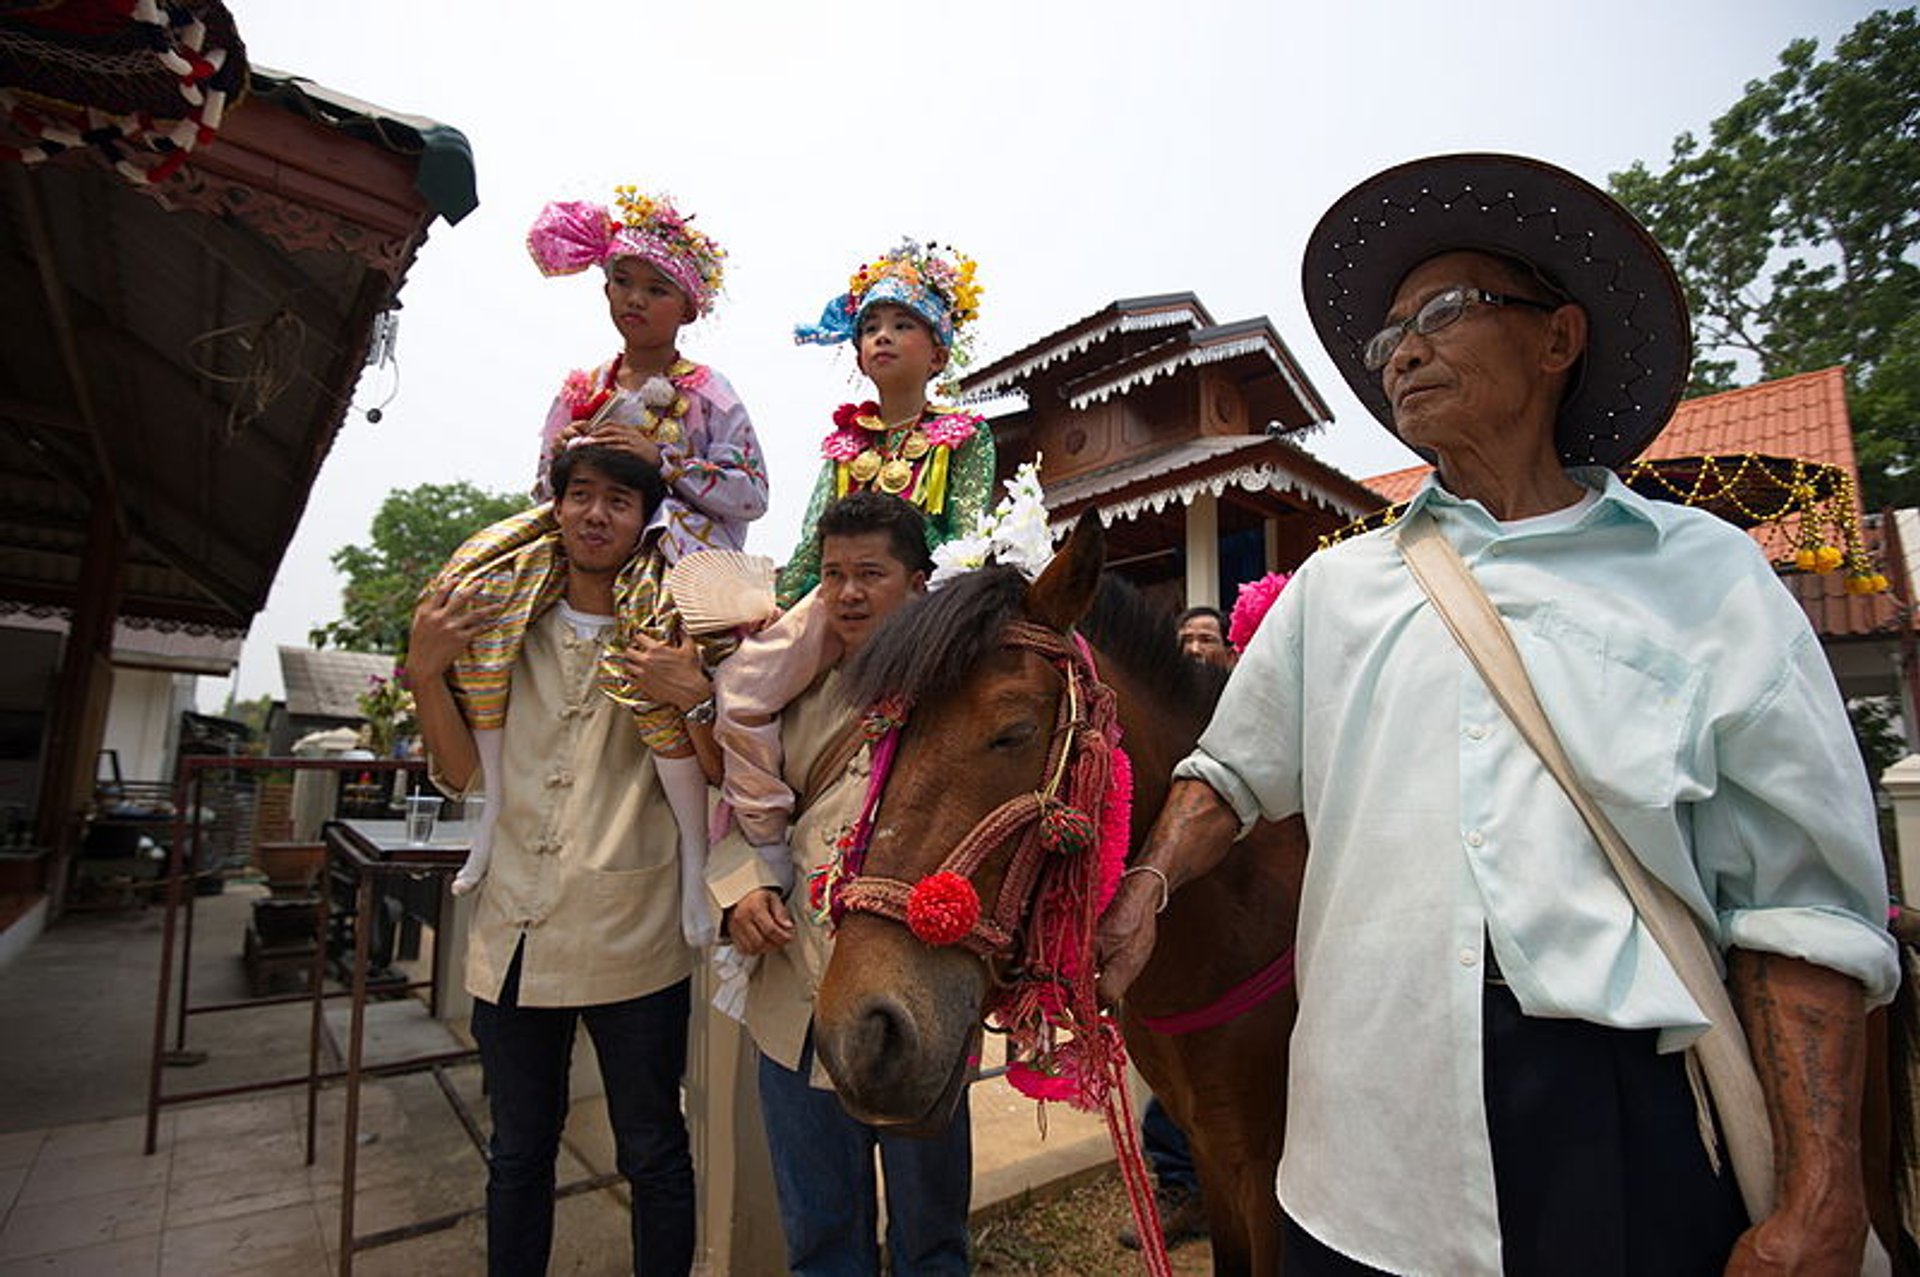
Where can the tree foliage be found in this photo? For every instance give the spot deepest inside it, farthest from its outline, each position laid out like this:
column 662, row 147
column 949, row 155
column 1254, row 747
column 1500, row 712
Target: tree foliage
column 412, row 535
column 254, row 713
column 1794, row 228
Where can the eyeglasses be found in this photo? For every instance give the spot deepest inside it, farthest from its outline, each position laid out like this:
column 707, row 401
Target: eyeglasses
column 1439, row 311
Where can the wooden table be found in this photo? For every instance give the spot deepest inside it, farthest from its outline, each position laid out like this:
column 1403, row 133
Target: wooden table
column 374, row 853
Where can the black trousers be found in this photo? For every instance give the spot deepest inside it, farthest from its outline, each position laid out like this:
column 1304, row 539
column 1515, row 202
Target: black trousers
column 1597, row 1159
column 526, row 1052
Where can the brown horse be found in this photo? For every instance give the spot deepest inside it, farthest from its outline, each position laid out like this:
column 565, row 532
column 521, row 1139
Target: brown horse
column 895, row 1018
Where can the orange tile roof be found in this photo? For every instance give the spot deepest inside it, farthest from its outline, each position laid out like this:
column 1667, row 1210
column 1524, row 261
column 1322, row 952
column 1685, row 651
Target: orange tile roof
column 1803, row 416
column 1399, row 485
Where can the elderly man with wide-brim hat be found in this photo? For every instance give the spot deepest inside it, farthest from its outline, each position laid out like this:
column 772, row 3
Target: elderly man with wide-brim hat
column 1486, row 1069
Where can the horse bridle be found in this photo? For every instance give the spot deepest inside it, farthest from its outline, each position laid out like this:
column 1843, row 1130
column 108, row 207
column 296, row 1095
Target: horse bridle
column 1043, row 824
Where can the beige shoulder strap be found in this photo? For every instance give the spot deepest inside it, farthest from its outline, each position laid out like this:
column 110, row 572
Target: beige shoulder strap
column 1722, row 1051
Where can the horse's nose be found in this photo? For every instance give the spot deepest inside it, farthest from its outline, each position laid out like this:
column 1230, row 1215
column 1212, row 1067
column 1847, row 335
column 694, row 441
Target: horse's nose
column 883, row 1036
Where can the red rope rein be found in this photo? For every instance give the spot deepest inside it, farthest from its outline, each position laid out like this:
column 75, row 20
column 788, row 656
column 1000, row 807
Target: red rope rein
column 1231, row 1005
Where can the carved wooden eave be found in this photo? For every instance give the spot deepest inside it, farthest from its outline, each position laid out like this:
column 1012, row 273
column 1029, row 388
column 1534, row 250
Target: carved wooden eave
column 1253, row 342
column 1176, row 429
column 1216, row 466
column 293, row 162
column 1016, row 373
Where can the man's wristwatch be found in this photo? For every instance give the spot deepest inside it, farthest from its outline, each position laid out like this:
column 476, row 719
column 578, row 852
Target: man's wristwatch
column 703, row 713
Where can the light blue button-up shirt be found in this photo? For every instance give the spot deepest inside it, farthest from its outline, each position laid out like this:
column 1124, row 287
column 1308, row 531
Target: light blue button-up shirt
column 1694, row 701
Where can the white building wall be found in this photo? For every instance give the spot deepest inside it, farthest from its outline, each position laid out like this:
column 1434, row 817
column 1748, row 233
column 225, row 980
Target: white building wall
column 143, row 721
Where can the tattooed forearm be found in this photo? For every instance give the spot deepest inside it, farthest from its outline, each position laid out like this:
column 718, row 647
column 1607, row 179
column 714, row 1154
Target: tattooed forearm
column 1806, row 1027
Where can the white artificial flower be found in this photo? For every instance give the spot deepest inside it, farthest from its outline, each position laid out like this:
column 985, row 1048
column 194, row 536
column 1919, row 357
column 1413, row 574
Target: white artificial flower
column 1015, row 534
column 958, row 557
column 1021, row 538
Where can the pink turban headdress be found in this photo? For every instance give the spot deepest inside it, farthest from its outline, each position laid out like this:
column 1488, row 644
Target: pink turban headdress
column 571, row 235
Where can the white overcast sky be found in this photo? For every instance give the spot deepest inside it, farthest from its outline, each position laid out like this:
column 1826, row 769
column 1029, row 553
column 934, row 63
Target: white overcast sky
column 1082, row 152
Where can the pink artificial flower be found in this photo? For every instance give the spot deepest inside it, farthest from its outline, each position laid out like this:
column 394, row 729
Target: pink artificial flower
column 952, row 430
column 578, row 389
column 842, row 445
column 1251, row 606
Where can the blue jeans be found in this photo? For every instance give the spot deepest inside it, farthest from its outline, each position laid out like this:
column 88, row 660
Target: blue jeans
column 1167, row 1148
column 823, row 1175
column 642, row 1047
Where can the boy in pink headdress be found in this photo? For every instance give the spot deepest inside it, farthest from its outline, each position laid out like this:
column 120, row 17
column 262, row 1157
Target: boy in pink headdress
column 677, row 416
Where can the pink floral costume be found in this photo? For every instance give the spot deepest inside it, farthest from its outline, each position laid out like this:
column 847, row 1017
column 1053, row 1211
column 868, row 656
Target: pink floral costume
column 716, row 477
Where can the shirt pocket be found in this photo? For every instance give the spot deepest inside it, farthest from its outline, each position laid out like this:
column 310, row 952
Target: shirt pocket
column 635, row 915
column 1623, row 704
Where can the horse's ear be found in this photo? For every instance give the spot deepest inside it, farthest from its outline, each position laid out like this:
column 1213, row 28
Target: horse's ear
column 1064, row 591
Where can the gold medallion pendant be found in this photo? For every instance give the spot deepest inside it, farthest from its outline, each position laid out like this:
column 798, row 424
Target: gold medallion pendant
column 668, row 432
column 915, row 445
column 865, row 466
column 895, row 476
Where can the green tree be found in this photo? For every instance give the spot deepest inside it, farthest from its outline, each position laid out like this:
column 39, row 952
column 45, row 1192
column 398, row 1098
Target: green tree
column 412, row 535
column 254, row 713
column 1794, row 227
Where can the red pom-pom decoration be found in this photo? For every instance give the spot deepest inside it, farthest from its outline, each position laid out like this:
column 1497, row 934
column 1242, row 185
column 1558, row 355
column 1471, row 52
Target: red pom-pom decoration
column 844, row 414
column 942, row 908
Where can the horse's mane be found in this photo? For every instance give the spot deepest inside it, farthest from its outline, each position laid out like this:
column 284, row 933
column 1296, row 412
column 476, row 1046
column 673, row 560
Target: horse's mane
column 1139, row 638
column 927, row 647
column 932, row 642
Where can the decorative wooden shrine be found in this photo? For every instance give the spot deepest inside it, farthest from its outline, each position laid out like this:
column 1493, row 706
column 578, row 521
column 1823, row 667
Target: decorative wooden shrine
column 1181, row 432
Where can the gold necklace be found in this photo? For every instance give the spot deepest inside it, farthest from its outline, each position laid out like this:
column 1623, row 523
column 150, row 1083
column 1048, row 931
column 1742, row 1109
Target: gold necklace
column 889, row 466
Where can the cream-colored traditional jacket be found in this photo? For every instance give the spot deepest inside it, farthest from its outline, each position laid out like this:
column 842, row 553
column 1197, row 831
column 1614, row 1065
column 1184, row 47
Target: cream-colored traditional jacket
column 585, row 861
column 780, row 994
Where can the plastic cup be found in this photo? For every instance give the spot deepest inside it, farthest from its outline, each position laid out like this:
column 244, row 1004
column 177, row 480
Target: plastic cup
column 422, row 811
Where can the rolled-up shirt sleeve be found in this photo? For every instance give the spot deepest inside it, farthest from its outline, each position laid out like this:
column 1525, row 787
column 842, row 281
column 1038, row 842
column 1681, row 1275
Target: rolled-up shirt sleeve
column 1788, row 846
column 1250, row 753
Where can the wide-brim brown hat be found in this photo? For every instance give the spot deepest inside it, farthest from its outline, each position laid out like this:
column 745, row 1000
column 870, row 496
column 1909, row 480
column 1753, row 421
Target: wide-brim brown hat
column 1639, row 346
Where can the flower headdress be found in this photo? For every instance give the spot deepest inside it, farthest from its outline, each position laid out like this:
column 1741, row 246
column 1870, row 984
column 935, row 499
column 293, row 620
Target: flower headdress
column 571, row 235
column 1015, row 534
column 934, row 283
